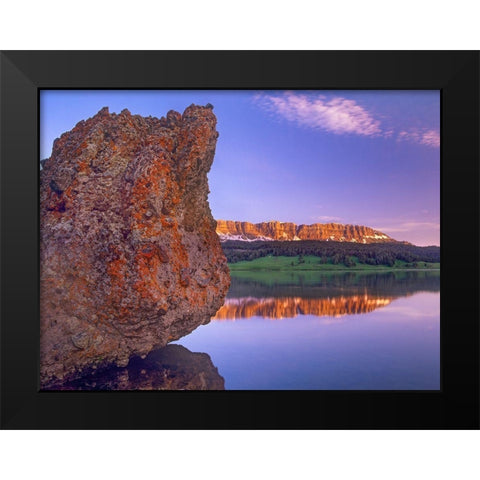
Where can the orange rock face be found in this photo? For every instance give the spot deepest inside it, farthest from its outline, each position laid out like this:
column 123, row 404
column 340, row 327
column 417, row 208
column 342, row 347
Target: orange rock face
column 274, row 230
column 129, row 255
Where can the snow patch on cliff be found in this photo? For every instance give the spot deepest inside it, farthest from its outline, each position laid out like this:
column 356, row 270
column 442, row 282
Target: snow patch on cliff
column 242, row 238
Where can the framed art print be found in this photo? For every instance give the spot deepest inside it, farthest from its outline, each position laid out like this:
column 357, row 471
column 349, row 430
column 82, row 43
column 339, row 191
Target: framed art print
column 316, row 292
column 242, row 239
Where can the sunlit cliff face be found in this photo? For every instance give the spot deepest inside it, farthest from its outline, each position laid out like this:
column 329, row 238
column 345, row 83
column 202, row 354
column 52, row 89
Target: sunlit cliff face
column 274, row 230
column 288, row 307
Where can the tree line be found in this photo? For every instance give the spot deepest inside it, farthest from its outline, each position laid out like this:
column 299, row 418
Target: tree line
column 332, row 252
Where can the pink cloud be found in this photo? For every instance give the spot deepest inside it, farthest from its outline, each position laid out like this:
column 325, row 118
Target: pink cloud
column 337, row 115
column 430, row 138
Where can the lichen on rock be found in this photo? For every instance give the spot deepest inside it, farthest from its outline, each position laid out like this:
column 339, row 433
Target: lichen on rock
column 129, row 255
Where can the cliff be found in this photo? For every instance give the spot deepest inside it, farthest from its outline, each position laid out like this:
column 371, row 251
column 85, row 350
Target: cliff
column 231, row 230
column 129, row 256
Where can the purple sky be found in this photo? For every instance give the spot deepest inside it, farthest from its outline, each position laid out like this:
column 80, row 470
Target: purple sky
column 361, row 157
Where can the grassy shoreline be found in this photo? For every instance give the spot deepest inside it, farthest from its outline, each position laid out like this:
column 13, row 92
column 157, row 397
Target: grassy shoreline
column 312, row 263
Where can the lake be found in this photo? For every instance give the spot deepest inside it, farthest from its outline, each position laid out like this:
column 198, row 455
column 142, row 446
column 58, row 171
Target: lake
column 326, row 331
column 307, row 330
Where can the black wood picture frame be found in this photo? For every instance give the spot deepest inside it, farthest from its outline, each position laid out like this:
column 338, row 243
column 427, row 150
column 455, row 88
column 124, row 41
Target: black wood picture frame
column 455, row 73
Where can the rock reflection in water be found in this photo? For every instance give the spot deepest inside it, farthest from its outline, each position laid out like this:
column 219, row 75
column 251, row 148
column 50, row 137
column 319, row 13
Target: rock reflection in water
column 170, row 368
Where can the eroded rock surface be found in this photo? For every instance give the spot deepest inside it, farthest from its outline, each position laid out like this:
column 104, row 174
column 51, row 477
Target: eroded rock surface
column 129, row 255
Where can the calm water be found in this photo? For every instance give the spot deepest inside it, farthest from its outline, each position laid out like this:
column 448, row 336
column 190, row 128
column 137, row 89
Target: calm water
column 279, row 330
column 332, row 331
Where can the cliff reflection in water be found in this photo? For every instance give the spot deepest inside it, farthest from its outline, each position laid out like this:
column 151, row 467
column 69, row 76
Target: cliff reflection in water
column 170, row 368
column 288, row 307
column 290, row 295
column 387, row 336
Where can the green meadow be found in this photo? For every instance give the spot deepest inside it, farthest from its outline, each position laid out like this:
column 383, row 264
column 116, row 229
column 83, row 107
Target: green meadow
column 310, row 262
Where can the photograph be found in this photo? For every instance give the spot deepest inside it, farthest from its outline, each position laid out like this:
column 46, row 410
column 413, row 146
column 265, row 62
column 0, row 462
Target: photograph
column 239, row 239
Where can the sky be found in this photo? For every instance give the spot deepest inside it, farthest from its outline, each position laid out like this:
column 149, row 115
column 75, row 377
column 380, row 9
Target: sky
column 362, row 157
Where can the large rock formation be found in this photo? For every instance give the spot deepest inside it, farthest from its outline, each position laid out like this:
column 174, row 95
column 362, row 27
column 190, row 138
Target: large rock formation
column 129, row 256
column 232, row 230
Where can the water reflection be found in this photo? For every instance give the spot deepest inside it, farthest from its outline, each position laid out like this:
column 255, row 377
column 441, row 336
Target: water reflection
column 289, row 307
column 170, row 368
column 287, row 295
column 388, row 337
column 339, row 331
column 330, row 284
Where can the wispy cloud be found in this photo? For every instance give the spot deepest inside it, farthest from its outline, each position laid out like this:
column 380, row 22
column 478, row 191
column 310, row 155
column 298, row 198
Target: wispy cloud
column 327, row 218
column 340, row 116
column 336, row 115
column 428, row 137
column 409, row 226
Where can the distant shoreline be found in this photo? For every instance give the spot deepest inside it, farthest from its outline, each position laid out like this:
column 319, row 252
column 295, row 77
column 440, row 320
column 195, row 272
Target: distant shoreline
column 310, row 263
column 345, row 269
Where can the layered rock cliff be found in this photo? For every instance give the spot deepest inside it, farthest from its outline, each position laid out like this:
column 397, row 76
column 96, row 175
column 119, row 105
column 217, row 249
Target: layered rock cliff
column 231, row 230
column 129, row 255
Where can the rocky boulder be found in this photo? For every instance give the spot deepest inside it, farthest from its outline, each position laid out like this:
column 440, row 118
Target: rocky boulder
column 129, row 255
